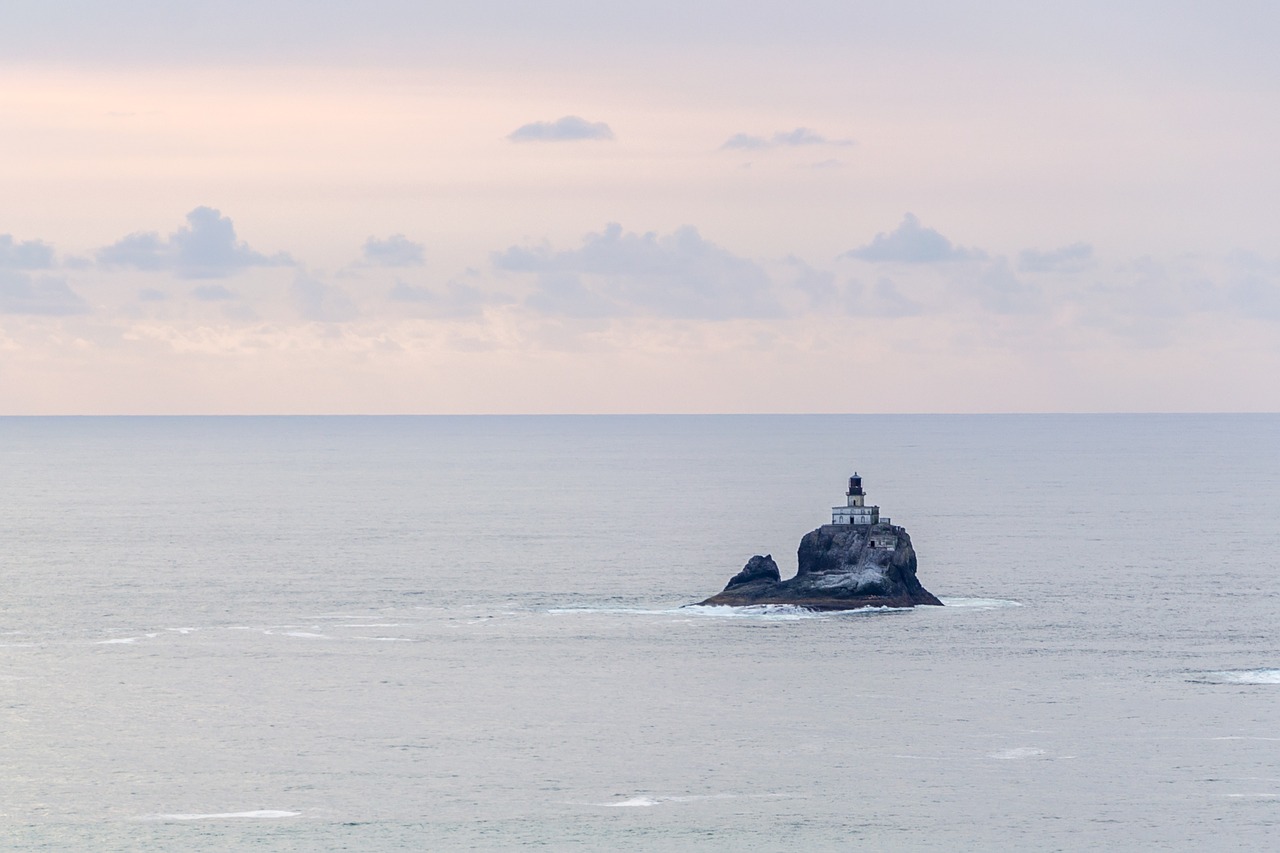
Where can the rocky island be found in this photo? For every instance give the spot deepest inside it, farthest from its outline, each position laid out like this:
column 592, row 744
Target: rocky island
column 858, row 560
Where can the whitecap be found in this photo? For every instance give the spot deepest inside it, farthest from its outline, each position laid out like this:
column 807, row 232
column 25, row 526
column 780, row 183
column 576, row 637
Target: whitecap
column 784, row 612
column 634, row 803
column 647, row 802
column 1016, row 753
column 117, row 641
column 777, row 612
column 386, row 639
column 1240, row 676
column 979, row 603
column 260, row 814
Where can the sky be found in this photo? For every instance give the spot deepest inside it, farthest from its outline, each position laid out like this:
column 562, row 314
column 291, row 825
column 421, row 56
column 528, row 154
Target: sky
column 594, row 207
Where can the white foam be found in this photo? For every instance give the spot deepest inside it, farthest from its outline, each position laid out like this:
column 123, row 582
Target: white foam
column 304, row 634
column 648, row 802
column 633, row 803
column 260, row 814
column 979, row 603
column 780, row 612
column 1241, row 676
column 386, row 639
column 124, row 640
column 1018, row 752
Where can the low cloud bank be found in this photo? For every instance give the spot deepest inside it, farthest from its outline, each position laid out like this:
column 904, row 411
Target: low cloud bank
column 566, row 129
column 206, row 248
column 911, row 243
column 21, row 293
column 801, row 136
column 619, row 273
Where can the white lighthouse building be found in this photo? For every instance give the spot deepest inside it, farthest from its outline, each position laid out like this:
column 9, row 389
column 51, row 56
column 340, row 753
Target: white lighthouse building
column 855, row 511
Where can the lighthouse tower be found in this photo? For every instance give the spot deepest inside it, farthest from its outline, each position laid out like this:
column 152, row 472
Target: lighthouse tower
column 855, row 511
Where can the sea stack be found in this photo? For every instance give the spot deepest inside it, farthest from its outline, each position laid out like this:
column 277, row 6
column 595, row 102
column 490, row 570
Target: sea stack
column 858, row 560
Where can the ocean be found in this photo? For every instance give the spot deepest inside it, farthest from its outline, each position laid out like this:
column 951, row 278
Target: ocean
column 474, row 633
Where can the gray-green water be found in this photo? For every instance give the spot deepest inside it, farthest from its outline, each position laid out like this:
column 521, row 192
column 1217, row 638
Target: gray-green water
column 385, row 634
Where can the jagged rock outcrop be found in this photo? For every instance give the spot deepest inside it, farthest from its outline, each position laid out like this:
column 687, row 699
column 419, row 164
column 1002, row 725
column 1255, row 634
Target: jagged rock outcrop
column 757, row 569
column 842, row 567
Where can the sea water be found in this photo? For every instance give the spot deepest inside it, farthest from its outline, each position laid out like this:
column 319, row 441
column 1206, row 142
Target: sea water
column 386, row 634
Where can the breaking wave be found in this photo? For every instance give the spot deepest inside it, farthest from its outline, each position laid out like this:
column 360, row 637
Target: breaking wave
column 1017, row 753
column 979, row 603
column 779, row 612
column 640, row 802
column 260, row 814
column 1239, row 676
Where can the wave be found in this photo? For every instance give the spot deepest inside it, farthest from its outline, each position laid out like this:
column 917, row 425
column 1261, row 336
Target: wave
column 642, row 801
column 634, row 802
column 260, row 814
column 1239, row 676
column 1017, row 753
column 118, row 641
column 979, row 603
column 787, row 612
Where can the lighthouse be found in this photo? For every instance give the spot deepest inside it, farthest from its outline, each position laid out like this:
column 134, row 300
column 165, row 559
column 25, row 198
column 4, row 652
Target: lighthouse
column 855, row 510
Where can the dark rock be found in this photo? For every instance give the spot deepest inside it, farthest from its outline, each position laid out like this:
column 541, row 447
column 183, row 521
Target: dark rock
column 757, row 568
column 841, row 567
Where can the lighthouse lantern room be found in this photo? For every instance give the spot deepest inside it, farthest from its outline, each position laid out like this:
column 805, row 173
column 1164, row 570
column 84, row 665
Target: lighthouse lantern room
column 855, row 511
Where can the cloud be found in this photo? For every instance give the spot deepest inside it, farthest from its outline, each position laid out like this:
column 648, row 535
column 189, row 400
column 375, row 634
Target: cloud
column 212, row 293
column 457, row 300
column 567, row 129
column 801, row 136
column 316, row 300
column 21, row 293
column 27, row 255
column 206, row 248
column 911, row 243
column 999, row 291
column 882, row 300
column 1071, row 258
column 566, row 295
column 1255, row 297
column 617, row 273
column 395, row 251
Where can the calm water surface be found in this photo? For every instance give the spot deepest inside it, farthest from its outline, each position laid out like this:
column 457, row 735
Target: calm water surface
column 386, row 634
